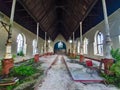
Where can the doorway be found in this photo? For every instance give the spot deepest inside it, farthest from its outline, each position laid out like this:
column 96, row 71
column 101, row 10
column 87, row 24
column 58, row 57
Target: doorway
column 60, row 48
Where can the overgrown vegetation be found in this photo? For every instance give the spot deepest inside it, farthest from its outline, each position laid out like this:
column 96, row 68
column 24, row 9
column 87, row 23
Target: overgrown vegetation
column 116, row 54
column 74, row 57
column 114, row 78
column 20, row 53
column 23, row 71
column 28, row 73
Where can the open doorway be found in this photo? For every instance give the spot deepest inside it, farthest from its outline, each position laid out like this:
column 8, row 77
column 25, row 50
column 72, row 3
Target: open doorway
column 60, row 48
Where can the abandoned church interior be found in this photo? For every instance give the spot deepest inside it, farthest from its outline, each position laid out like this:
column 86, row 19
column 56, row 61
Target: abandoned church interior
column 59, row 44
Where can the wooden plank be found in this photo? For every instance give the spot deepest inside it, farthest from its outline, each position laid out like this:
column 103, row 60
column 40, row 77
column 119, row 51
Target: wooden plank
column 12, row 82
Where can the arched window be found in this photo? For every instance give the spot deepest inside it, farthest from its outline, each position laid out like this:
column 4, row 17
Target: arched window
column 119, row 39
column 78, row 47
column 20, row 45
column 34, row 46
column 98, row 44
column 85, row 46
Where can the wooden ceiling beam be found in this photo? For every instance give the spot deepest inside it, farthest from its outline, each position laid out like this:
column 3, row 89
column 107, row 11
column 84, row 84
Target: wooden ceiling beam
column 45, row 8
column 8, row 1
column 89, row 8
column 72, row 15
column 30, row 13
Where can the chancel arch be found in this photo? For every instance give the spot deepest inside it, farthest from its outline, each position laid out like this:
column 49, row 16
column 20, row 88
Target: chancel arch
column 60, row 47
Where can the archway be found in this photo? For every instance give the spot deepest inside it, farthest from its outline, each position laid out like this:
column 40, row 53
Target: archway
column 21, row 45
column 20, row 41
column 34, row 44
column 60, row 47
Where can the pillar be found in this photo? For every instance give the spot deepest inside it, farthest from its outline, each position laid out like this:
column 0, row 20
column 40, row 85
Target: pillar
column 9, row 41
column 74, row 46
column 108, row 58
column 81, row 44
column 107, row 29
column 70, row 42
column 49, row 41
column 36, row 56
column 7, row 63
column 37, row 33
column 81, row 39
column 45, row 43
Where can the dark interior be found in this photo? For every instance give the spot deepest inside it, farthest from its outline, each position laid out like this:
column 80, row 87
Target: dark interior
column 58, row 16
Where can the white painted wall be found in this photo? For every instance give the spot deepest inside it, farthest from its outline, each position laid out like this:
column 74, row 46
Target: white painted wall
column 17, row 29
column 114, row 22
column 60, row 38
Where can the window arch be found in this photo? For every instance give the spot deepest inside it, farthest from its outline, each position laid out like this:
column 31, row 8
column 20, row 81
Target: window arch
column 77, row 45
column 34, row 44
column 119, row 39
column 20, row 42
column 21, row 45
column 98, row 44
column 85, row 46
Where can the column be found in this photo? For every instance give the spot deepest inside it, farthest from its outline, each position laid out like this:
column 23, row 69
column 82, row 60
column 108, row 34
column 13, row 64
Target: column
column 73, row 44
column 37, row 37
column 108, row 58
column 81, row 44
column 37, row 33
column 49, row 41
column 8, row 54
column 36, row 56
column 70, row 42
column 8, row 61
column 45, row 43
column 108, row 39
column 81, row 39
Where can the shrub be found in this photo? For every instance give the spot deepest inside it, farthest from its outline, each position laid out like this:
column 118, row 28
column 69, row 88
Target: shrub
column 116, row 54
column 115, row 69
column 20, row 53
column 23, row 70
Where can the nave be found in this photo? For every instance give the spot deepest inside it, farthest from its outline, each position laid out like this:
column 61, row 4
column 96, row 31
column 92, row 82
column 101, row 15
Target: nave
column 34, row 32
column 57, row 76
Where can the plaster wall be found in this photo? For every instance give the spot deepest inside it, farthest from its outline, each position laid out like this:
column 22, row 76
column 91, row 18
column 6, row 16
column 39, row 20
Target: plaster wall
column 114, row 23
column 60, row 38
column 16, row 30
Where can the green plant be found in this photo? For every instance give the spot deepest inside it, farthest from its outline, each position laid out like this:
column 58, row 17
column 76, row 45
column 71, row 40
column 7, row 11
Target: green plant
column 20, row 53
column 1, row 59
column 13, row 56
column 31, row 61
column 27, row 73
column 10, row 87
column 116, row 54
column 77, row 57
column 23, row 71
column 109, row 78
column 115, row 69
column 28, row 62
